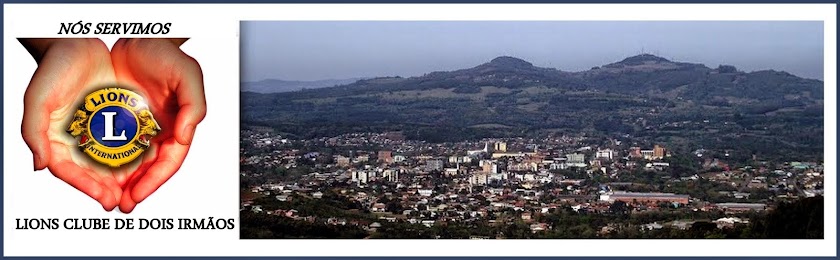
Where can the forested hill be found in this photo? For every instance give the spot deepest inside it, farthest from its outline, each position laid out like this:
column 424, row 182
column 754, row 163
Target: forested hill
column 642, row 74
column 641, row 96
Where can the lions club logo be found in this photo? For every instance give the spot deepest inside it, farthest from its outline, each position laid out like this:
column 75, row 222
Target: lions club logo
column 114, row 126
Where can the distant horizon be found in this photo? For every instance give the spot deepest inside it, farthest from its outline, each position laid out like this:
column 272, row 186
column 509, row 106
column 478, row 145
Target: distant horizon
column 382, row 76
column 323, row 50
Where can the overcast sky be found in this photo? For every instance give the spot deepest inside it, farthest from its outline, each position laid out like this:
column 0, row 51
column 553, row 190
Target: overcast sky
column 345, row 49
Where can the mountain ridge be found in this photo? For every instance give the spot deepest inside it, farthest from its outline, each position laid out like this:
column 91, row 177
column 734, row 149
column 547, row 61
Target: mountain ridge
column 279, row 85
column 644, row 96
column 508, row 64
column 644, row 73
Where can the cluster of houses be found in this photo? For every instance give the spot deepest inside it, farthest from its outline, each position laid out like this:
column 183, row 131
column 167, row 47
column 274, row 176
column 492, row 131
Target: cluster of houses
column 496, row 181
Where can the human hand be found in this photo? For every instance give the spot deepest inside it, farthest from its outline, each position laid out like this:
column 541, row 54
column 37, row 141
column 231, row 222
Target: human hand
column 66, row 69
column 172, row 83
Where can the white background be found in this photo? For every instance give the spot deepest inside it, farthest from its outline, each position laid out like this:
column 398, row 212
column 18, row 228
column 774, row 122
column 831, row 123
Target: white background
column 207, row 183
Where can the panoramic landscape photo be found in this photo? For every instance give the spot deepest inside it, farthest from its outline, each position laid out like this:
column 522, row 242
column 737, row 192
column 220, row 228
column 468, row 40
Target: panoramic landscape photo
column 532, row 129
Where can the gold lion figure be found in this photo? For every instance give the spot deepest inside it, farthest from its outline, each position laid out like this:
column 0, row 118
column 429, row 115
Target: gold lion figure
column 148, row 127
column 77, row 127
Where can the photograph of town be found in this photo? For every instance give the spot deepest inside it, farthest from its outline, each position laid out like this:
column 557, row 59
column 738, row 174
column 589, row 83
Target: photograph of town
column 532, row 130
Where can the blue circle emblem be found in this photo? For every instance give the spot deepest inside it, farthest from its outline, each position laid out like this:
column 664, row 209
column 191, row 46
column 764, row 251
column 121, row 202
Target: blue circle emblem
column 124, row 124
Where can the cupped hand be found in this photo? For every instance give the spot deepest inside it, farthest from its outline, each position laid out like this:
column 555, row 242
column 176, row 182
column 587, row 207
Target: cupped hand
column 172, row 83
column 67, row 70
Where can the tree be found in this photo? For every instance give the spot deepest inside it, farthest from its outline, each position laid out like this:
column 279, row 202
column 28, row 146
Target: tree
column 619, row 207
